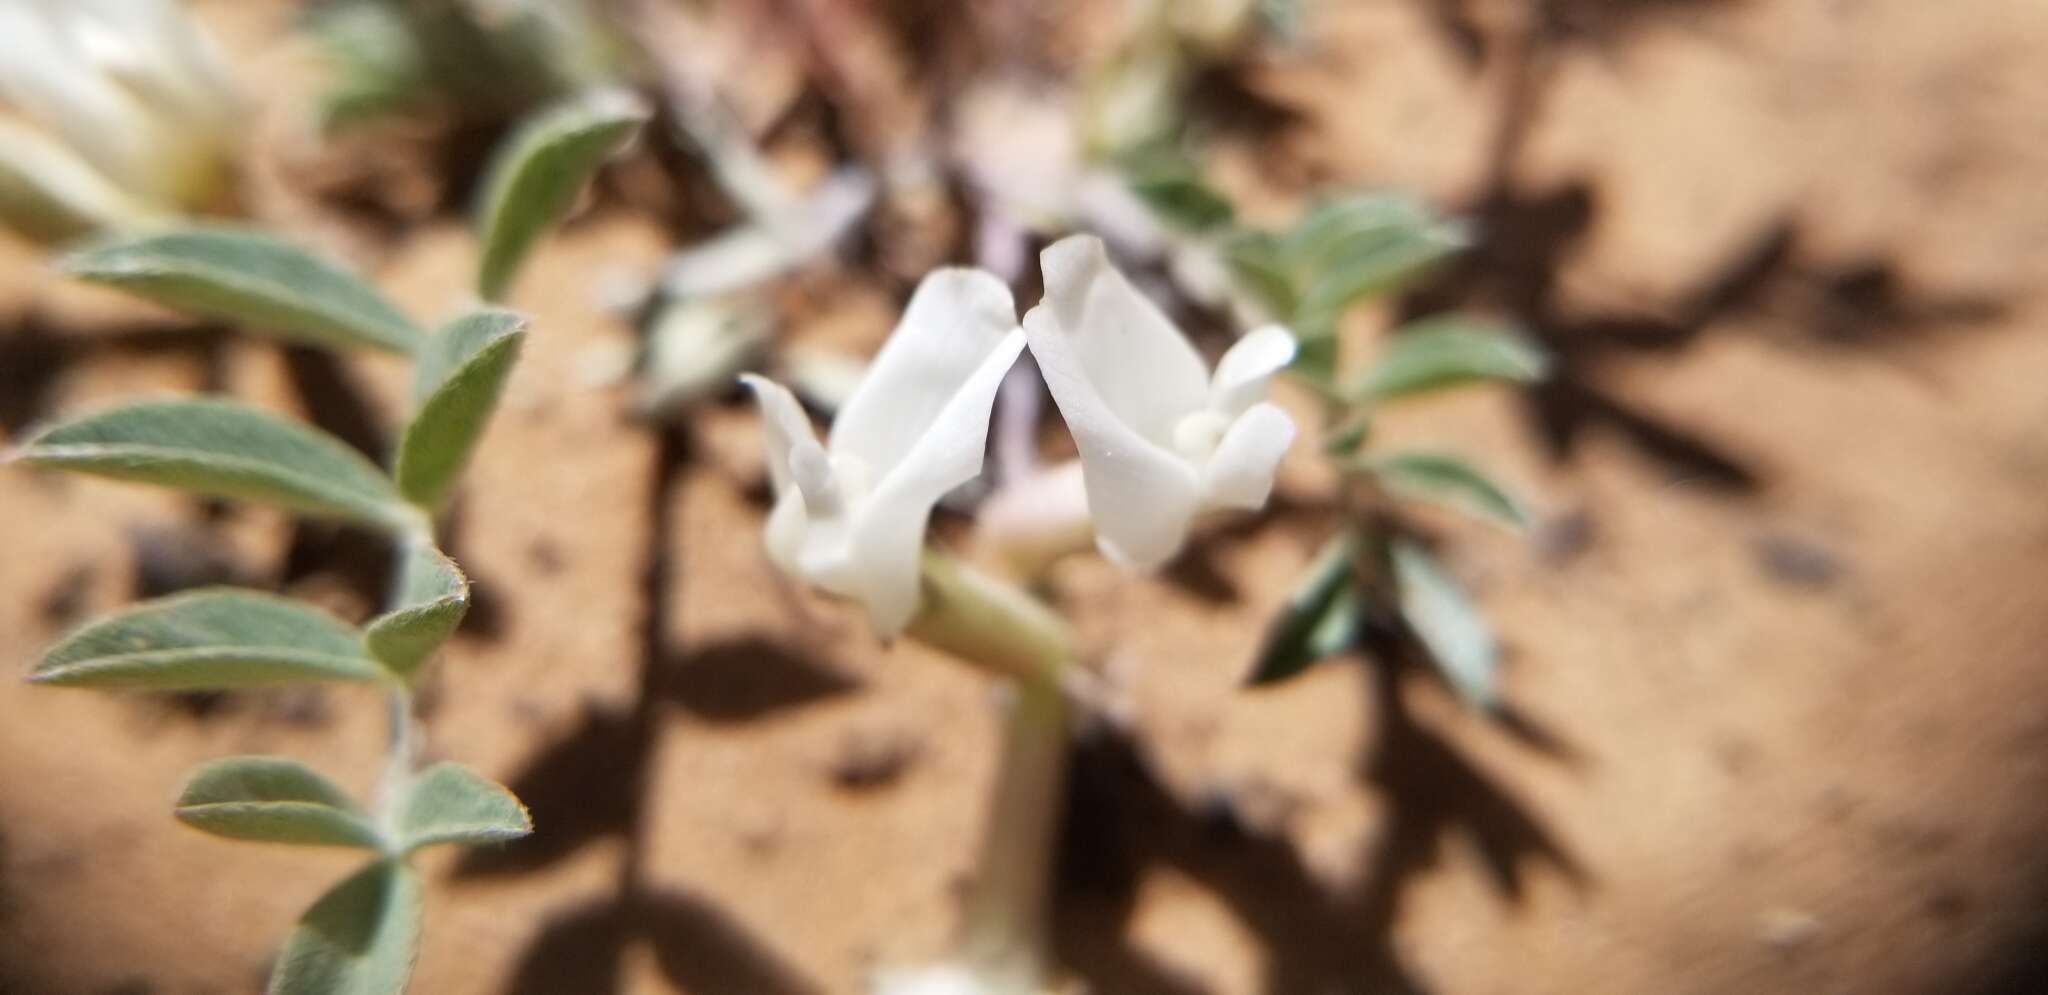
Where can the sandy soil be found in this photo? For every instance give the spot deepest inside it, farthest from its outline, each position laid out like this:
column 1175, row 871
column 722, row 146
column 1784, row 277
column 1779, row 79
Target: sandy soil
column 1774, row 650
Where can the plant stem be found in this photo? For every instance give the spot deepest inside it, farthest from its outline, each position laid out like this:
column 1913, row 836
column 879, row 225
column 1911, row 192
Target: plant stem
column 1003, row 926
column 998, row 627
column 402, row 735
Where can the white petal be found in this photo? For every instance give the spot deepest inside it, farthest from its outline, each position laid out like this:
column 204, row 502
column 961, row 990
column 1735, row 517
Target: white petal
column 888, row 534
column 1242, row 373
column 1141, row 495
column 1141, row 365
column 954, row 322
column 783, row 426
column 1240, row 473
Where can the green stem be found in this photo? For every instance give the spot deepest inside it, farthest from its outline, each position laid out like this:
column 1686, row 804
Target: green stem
column 402, row 732
column 996, row 626
column 1003, row 927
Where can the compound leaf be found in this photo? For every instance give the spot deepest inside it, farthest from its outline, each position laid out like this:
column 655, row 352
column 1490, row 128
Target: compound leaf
column 218, row 638
column 248, row 277
column 274, row 800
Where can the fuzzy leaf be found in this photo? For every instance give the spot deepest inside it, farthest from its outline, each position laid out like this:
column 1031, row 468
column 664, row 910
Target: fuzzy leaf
column 248, row 277
column 225, row 449
column 359, row 939
column 1449, row 625
column 1441, row 478
column 1296, row 637
column 538, row 171
column 1446, row 352
column 462, row 371
column 432, row 598
column 218, row 638
column 449, row 803
column 274, row 800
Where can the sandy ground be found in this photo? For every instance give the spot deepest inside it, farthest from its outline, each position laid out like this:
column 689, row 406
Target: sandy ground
column 1774, row 651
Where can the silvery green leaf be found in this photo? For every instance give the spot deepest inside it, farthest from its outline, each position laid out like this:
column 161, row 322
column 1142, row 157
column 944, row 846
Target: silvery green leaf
column 274, row 800
column 359, row 939
column 217, row 638
column 1301, row 633
column 1255, row 259
column 538, row 171
column 462, row 370
column 1449, row 625
column 1363, row 271
column 225, row 449
column 375, row 60
column 50, row 194
column 1448, row 351
column 1441, row 478
column 251, row 278
column 1351, row 225
column 449, row 803
column 432, row 598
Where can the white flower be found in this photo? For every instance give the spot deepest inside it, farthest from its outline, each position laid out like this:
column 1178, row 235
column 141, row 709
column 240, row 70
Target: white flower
column 132, row 87
column 850, row 515
column 1161, row 440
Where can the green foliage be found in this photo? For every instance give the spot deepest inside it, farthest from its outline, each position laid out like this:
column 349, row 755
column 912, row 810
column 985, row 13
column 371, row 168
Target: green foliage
column 274, row 800
column 481, row 62
column 538, row 171
column 449, row 803
column 461, row 373
column 432, row 597
column 1449, row 351
column 1174, row 189
column 359, row 939
column 1441, row 478
column 248, row 277
column 216, row 638
column 1449, row 625
column 226, row 449
column 1318, row 619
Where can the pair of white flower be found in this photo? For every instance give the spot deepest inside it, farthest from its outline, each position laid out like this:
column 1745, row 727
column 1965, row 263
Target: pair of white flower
column 137, row 114
column 1160, row 439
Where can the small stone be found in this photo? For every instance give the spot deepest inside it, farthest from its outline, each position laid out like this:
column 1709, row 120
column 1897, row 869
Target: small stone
column 1797, row 561
column 1786, row 929
column 871, row 757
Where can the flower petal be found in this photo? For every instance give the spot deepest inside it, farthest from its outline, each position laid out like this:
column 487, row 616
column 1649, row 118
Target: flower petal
column 1240, row 472
column 1242, row 373
column 955, row 321
column 783, row 424
column 1141, row 366
column 1141, row 495
column 888, row 532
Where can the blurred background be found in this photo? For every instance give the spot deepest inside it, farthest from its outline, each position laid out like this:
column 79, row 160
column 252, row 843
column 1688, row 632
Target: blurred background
column 1773, row 647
